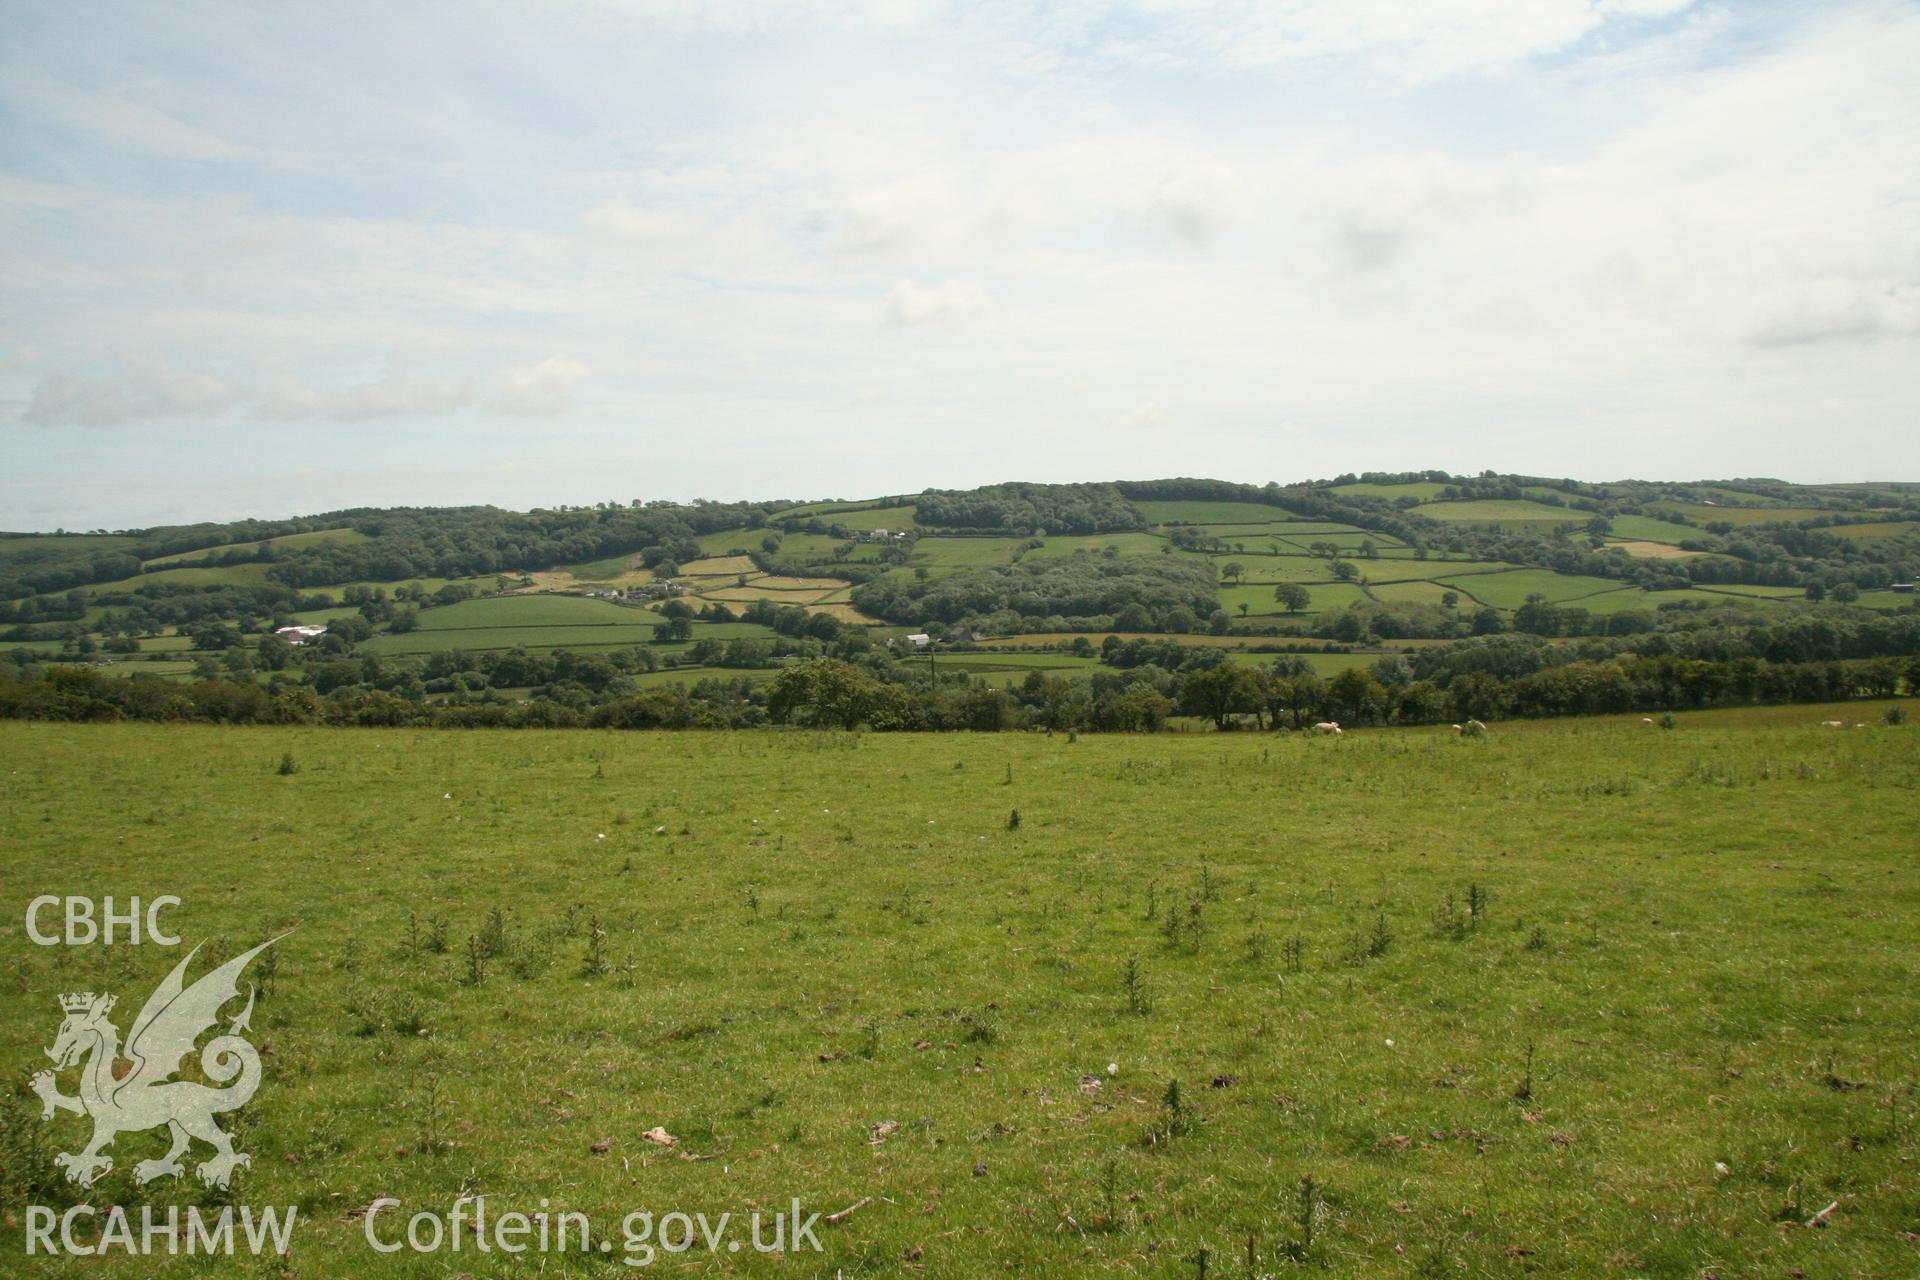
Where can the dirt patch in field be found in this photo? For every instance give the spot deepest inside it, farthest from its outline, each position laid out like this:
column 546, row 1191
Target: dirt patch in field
column 845, row 613
column 754, row 591
column 1653, row 550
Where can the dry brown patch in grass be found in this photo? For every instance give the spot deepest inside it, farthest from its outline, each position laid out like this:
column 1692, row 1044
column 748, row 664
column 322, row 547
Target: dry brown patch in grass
column 754, row 591
column 1653, row 550
column 845, row 613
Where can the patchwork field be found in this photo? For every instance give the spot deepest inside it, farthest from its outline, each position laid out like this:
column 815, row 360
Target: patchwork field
column 1702, row 514
column 1648, row 529
column 1510, row 590
column 1651, row 550
column 532, row 621
column 1677, row 1024
column 1503, row 511
column 316, row 537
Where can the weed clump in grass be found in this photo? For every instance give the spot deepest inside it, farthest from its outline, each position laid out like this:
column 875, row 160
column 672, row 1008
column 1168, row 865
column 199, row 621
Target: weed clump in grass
column 594, row 963
column 288, row 765
column 1306, row 1208
column 1174, row 1121
column 1134, row 982
column 1013, row 820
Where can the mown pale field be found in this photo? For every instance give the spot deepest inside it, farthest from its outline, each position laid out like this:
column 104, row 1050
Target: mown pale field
column 835, row 970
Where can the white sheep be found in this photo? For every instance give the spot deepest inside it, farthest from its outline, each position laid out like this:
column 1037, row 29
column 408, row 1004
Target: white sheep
column 1327, row 726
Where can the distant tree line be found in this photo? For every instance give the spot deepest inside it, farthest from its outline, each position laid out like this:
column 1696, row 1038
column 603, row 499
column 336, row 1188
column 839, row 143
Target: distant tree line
column 876, row 693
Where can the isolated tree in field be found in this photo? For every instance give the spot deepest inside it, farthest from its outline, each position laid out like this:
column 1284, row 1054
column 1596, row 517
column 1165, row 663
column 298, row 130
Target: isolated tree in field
column 1292, row 596
column 1216, row 692
column 1450, row 599
column 1845, row 592
column 1233, row 570
column 1344, row 570
column 1368, row 549
column 1243, row 608
column 1356, row 697
column 1477, row 696
column 1816, row 591
column 824, row 693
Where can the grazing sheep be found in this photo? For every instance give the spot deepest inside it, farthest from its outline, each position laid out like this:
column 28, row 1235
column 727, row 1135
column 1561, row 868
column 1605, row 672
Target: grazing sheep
column 1833, row 724
column 1457, row 729
column 1646, row 719
column 1474, row 729
column 1327, row 726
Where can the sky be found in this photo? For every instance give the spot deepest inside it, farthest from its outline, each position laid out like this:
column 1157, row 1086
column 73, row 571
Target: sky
column 277, row 259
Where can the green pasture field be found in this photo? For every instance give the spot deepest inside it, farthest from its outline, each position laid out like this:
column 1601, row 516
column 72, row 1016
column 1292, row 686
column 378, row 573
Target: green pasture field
column 1510, row 590
column 136, row 666
column 1259, row 598
column 1763, row 593
column 531, row 611
column 888, row 518
column 810, row 548
column 232, row 575
column 1276, row 569
column 1425, row 490
column 965, row 552
column 1635, row 598
column 1703, row 515
column 1203, row 512
column 532, row 638
column 532, row 621
column 729, row 542
column 1256, row 536
column 1648, row 529
column 1881, row 531
column 1413, row 592
column 1403, row 571
column 1682, row 1020
column 311, row 538
column 1502, row 511
column 1126, row 544
column 829, row 510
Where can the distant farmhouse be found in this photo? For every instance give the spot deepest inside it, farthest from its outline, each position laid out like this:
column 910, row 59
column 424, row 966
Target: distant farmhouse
column 299, row 635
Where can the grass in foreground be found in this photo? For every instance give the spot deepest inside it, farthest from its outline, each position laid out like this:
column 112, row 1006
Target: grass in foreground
column 1580, row 998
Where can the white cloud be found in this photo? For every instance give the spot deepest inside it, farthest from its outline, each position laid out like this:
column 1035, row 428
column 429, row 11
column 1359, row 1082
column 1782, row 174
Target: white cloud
column 136, row 393
column 538, row 390
column 911, row 304
column 120, row 121
column 389, row 397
